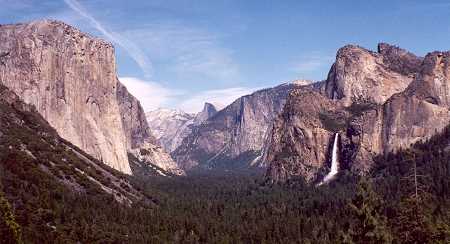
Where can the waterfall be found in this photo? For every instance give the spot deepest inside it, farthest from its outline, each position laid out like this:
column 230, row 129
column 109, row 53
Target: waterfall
column 334, row 162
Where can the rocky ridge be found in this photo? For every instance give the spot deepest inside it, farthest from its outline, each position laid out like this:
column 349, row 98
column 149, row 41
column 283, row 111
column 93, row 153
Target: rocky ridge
column 170, row 127
column 234, row 137
column 28, row 140
column 70, row 78
column 362, row 75
column 209, row 109
column 404, row 102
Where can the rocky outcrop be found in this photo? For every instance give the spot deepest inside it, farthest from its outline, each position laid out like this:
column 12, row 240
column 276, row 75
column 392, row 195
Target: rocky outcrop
column 422, row 109
column 140, row 140
column 170, row 127
column 407, row 117
column 70, row 78
column 208, row 111
column 409, row 103
column 362, row 75
column 235, row 136
column 300, row 142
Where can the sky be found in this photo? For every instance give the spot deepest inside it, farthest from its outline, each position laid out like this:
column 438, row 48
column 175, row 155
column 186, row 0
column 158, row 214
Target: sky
column 179, row 54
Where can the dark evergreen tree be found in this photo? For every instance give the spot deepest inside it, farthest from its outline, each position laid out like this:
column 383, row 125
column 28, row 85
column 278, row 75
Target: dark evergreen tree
column 370, row 223
column 442, row 234
column 10, row 232
column 414, row 224
column 415, row 220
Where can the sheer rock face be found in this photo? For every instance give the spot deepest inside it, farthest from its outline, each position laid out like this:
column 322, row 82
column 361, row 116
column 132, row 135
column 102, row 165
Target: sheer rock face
column 362, row 75
column 140, row 140
column 392, row 120
column 422, row 109
column 241, row 127
column 300, row 144
column 208, row 111
column 70, row 78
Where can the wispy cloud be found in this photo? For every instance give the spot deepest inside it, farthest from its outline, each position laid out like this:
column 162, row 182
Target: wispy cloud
column 312, row 63
column 189, row 50
column 225, row 96
column 129, row 46
column 312, row 66
column 151, row 95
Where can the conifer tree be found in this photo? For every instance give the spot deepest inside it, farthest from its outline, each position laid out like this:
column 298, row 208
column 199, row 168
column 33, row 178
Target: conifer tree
column 415, row 221
column 10, row 231
column 370, row 223
column 442, row 234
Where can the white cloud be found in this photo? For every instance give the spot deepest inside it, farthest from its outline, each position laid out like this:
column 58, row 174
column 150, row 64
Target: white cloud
column 225, row 96
column 151, row 95
column 308, row 66
column 189, row 50
column 131, row 48
column 312, row 63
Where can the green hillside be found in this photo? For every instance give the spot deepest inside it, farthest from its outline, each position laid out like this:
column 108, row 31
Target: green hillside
column 52, row 192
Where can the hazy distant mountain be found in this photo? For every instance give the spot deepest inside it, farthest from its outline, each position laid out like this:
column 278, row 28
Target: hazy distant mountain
column 170, row 127
column 208, row 111
column 234, row 137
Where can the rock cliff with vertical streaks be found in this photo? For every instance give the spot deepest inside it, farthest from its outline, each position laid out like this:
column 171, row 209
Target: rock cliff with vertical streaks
column 70, row 77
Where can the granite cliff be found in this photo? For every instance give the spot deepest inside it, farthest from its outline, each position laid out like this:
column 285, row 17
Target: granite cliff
column 70, row 78
column 233, row 139
column 30, row 144
column 209, row 109
column 299, row 140
column 377, row 102
column 362, row 75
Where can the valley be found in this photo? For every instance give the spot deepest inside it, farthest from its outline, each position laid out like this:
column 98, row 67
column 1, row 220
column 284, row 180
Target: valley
column 360, row 157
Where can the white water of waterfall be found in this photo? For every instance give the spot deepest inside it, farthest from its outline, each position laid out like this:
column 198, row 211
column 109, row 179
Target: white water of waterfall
column 334, row 162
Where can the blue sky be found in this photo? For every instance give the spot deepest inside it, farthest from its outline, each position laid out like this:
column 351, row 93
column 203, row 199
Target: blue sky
column 180, row 53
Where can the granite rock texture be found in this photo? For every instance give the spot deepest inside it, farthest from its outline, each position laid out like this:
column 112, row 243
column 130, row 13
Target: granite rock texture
column 70, row 77
column 239, row 129
column 382, row 102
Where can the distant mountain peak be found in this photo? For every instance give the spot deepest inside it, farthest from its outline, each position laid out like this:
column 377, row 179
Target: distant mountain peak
column 209, row 109
column 170, row 126
column 300, row 82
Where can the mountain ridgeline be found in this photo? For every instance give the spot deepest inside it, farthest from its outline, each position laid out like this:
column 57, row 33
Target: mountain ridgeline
column 70, row 77
column 378, row 102
column 80, row 164
column 233, row 139
column 170, row 127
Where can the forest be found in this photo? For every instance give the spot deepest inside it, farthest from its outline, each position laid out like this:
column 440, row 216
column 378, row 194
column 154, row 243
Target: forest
column 403, row 199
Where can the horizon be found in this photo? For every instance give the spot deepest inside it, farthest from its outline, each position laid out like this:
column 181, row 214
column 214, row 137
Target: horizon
column 180, row 54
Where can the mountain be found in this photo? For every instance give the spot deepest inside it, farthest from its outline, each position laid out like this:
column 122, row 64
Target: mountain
column 170, row 127
column 378, row 102
column 54, row 186
column 362, row 75
column 70, row 77
column 208, row 111
column 233, row 139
